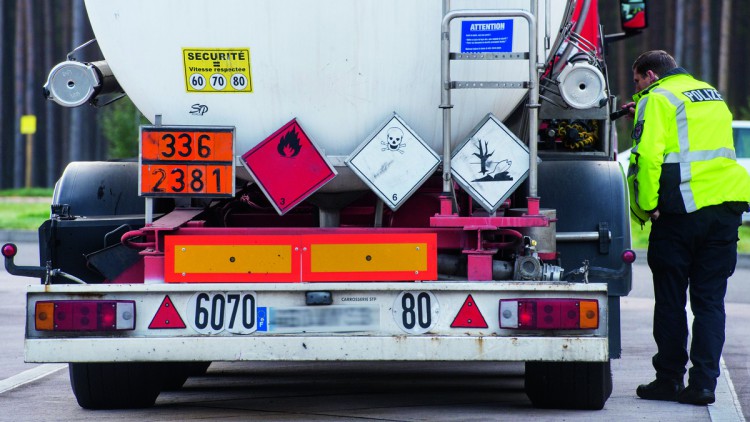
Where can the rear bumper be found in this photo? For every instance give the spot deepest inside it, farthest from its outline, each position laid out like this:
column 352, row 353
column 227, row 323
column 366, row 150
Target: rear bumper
column 392, row 348
column 387, row 342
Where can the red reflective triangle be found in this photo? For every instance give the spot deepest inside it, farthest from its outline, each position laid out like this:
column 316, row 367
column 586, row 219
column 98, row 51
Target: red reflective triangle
column 166, row 316
column 469, row 316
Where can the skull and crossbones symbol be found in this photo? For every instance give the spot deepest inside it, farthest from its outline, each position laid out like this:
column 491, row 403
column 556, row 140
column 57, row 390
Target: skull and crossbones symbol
column 394, row 140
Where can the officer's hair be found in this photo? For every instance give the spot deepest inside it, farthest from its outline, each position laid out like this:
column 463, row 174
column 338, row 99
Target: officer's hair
column 657, row 61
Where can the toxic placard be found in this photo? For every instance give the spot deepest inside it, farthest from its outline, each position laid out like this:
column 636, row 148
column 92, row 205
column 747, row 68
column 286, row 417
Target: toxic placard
column 394, row 161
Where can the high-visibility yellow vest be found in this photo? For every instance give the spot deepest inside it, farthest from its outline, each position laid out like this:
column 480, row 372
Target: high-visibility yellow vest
column 683, row 155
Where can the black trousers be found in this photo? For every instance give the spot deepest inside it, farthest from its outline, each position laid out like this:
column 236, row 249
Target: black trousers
column 696, row 251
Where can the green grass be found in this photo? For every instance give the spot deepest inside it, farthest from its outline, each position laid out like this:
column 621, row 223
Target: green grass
column 27, row 192
column 23, row 215
column 24, row 209
column 640, row 237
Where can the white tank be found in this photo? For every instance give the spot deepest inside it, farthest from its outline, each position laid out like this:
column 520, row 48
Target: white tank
column 341, row 67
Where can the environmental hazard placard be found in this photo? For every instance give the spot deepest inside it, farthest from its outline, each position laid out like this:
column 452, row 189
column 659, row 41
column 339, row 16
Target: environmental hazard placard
column 217, row 69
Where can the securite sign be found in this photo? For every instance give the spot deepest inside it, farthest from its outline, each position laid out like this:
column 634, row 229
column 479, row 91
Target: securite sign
column 224, row 70
column 494, row 36
column 288, row 167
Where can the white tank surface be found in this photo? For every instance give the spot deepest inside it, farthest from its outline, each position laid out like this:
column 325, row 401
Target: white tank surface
column 341, row 67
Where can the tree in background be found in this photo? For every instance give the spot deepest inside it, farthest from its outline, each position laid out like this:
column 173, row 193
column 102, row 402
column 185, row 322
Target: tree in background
column 120, row 122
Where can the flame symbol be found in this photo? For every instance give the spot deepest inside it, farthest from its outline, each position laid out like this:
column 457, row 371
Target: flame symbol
column 289, row 145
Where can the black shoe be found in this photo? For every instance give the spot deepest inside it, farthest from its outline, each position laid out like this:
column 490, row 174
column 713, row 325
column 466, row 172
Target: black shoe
column 696, row 396
column 660, row 389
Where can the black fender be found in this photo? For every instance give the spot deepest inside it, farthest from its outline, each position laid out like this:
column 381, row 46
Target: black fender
column 93, row 203
column 589, row 195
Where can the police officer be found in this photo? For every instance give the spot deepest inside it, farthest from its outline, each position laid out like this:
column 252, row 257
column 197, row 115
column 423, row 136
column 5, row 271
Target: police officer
column 684, row 177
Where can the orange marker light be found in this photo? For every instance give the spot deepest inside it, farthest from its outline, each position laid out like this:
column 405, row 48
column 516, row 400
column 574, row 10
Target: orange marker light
column 43, row 316
column 589, row 314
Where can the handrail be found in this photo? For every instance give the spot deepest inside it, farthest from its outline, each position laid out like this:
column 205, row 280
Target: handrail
column 445, row 97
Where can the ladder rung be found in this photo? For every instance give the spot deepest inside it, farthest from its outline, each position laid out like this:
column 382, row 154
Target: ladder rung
column 489, row 56
column 483, row 84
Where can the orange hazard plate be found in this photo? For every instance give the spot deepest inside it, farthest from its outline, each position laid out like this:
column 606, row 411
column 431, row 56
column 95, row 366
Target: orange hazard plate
column 192, row 180
column 187, row 161
column 185, row 143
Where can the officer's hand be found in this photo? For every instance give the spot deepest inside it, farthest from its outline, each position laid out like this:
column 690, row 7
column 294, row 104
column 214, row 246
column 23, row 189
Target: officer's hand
column 654, row 215
column 630, row 107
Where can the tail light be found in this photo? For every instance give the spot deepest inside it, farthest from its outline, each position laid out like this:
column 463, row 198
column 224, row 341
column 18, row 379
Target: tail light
column 549, row 314
column 85, row 315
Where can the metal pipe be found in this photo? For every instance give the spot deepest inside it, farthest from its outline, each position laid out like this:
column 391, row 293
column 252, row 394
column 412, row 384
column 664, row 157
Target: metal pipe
column 533, row 85
column 445, row 97
column 534, row 68
column 579, row 236
column 569, row 48
column 547, row 26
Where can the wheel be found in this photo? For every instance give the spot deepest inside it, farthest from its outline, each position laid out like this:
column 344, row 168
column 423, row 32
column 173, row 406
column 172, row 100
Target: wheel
column 115, row 385
column 568, row 385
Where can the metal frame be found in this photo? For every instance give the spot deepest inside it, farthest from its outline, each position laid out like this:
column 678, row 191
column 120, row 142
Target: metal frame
column 447, row 85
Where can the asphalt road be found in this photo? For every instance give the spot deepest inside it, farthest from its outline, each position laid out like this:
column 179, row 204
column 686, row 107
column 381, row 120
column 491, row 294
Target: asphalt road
column 380, row 391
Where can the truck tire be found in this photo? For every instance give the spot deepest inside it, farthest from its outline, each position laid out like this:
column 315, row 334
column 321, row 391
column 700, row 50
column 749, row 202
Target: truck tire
column 129, row 385
column 568, row 385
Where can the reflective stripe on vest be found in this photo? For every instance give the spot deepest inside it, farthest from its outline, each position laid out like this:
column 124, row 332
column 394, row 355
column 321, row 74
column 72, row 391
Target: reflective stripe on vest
column 694, row 156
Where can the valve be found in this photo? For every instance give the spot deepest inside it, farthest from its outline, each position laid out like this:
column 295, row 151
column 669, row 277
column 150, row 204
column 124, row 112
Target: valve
column 73, row 83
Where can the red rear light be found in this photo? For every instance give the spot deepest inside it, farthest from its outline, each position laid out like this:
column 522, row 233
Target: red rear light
column 85, row 315
column 526, row 314
column 108, row 315
column 549, row 314
column 9, row 250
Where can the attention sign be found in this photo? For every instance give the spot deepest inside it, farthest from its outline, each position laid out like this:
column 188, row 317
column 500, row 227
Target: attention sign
column 288, row 167
column 487, row 36
column 217, row 70
column 187, row 161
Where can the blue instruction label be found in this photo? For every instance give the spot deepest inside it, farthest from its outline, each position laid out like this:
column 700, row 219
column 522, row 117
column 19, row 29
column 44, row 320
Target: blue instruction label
column 487, row 36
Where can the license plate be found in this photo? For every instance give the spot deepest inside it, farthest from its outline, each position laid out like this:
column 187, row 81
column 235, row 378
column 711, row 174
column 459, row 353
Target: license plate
column 322, row 319
column 215, row 312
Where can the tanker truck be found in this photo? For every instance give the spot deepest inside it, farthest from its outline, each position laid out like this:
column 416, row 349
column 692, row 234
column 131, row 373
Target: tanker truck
column 340, row 180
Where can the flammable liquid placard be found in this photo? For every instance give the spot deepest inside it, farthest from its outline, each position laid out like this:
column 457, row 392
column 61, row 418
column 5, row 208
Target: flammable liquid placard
column 288, row 167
